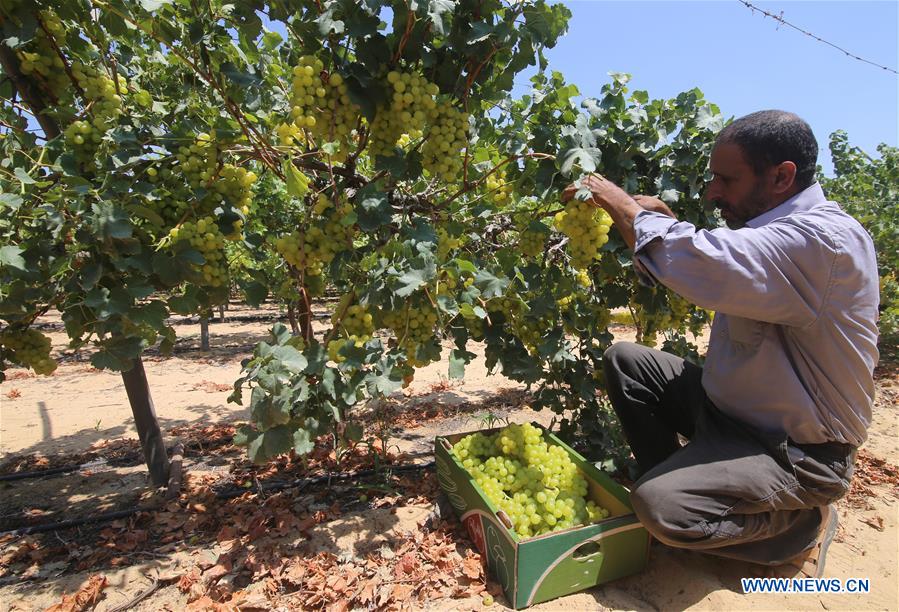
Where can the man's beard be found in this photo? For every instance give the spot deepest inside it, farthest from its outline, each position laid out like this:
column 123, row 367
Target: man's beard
column 754, row 204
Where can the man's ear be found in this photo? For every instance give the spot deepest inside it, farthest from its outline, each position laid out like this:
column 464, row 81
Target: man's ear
column 784, row 176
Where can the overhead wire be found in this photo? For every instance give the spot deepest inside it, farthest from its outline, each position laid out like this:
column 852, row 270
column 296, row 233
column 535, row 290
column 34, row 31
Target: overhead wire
column 780, row 19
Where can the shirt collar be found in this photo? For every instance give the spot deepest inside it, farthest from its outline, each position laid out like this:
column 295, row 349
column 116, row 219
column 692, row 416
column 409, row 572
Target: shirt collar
column 802, row 201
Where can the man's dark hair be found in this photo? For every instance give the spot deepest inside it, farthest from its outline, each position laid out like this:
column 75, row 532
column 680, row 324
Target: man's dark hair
column 770, row 137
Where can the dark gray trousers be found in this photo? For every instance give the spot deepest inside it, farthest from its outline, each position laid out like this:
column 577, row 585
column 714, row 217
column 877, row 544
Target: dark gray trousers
column 732, row 490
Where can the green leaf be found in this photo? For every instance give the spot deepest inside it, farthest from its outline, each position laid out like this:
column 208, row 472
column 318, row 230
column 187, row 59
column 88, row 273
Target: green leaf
column 23, row 177
column 438, row 10
column 11, row 256
column 153, row 5
column 271, row 443
column 458, row 359
column 411, row 280
column 297, row 182
column 254, row 291
column 490, row 285
column 372, row 210
column 110, row 221
column 585, row 158
column 184, row 304
column 11, row 200
column 303, row 442
column 291, row 358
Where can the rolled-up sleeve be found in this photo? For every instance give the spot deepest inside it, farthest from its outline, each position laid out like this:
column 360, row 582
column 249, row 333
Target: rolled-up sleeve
column 776, row 273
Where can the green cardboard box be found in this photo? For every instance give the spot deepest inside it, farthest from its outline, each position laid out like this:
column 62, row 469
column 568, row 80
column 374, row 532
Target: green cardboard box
column 544, row 567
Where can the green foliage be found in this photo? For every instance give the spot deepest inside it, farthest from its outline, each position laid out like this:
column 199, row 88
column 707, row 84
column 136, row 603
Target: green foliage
column 373, row 146
column 868, row 189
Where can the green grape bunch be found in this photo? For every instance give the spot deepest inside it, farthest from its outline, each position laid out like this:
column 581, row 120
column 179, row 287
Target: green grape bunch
column 587, row 228
column 532, row 242
column 43, row 61
column 29, row 348
column 206, row 237
column 320, row 105
column 447, row 137
column 412, row 327
column 535, row 483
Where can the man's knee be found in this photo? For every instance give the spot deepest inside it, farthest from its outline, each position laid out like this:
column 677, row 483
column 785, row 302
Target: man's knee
column 619, row 357
column 664, row 512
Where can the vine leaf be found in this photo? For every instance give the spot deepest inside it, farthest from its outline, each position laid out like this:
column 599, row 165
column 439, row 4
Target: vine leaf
column 12, row 256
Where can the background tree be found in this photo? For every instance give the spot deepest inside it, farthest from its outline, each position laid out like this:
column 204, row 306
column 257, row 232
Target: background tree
column 868, row 189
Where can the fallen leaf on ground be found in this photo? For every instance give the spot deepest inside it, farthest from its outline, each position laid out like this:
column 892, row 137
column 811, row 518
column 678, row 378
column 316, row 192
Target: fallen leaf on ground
column 86, row 597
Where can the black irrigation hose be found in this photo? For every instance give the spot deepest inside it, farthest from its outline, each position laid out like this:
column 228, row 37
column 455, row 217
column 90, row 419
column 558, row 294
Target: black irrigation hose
column 228, row 493
column 124, row 461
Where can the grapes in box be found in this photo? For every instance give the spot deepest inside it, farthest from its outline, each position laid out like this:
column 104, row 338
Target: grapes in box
column 534, row 569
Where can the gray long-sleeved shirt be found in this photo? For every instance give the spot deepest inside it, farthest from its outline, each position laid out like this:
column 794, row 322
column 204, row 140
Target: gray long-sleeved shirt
column 794, row 340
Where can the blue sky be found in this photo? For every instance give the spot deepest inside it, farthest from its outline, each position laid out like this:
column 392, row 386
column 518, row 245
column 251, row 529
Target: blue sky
column 744, row 61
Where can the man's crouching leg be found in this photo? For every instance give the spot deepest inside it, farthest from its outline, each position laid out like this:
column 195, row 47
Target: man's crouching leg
column 729, row 498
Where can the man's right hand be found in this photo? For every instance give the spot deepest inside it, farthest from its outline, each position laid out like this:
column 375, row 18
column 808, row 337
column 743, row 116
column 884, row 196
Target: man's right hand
column 653, row 205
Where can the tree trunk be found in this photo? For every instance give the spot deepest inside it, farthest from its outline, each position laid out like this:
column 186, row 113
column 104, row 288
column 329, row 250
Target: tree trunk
column 305, row 312
column 292, row 318
column 221, row 313
column 204, row 332
column 138, row 390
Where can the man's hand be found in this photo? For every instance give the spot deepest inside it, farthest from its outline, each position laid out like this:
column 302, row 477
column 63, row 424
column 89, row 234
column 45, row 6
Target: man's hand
column 654, row 205
column 603, row 191
column 621, row 207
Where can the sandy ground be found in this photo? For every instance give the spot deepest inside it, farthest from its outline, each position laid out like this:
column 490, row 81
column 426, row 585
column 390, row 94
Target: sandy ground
column 79, row 406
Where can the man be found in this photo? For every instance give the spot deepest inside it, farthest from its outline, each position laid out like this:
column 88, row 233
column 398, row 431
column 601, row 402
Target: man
column 775, row 416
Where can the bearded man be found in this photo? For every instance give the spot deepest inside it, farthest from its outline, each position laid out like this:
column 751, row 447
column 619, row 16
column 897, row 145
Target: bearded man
column 774, row 417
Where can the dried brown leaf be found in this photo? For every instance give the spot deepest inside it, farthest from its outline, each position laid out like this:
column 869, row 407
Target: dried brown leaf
column 86, row 597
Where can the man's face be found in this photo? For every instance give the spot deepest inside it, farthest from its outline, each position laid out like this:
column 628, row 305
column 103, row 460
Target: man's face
column 735, row 188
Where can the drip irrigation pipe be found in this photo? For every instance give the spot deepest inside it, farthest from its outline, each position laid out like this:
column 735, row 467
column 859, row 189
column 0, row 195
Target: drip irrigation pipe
column 128, row 460
column 229, row 493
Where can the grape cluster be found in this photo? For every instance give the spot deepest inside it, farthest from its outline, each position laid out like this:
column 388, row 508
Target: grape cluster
column 412, row 327
column 446, row 243
column 320, row 103
column 205, row 237
column 306, row 92
column 29, row 348
column 102, row 92
column 411, row 103
column 587, row 228
column 44, row 61
column 171, row 201
column 447, row 136
column 309, row 250
column 234, row 185
column 530, row 330
column 199, row 160
column 498, row 189
column 537, row 484
column 84, row 139
column 531, row 243
column 354, row 319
